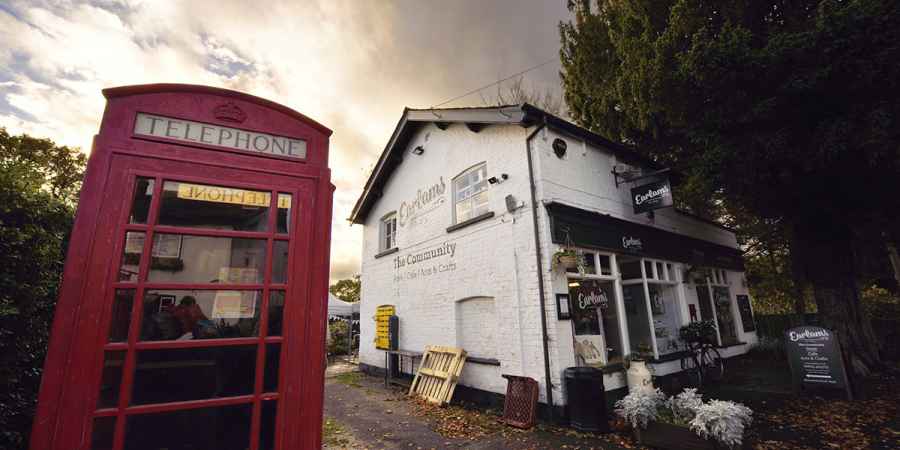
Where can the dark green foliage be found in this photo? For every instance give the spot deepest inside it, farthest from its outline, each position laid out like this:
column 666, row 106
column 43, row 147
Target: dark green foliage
column 782, row 117
column 338, row 339
column 39, row 185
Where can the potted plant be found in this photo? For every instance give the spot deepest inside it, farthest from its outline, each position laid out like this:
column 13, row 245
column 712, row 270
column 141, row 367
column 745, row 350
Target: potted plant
column 684, row 421
column 565, row 258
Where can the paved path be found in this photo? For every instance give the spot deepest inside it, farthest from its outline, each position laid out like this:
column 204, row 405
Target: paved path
column 361, row 413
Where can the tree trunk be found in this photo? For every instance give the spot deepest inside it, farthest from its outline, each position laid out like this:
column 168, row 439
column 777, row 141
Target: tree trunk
column 826, row 254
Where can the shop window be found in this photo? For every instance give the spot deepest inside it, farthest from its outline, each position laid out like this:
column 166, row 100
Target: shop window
column 476, row 326
column 724, row 316
column 470, row 194
column 588, row 264
column 388, row 232
column 666, row 317
column 638, row 318
column 595, row 319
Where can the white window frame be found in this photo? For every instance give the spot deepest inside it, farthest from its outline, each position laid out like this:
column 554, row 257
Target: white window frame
column 387, row 229
column 616, row 278
column 482, row 166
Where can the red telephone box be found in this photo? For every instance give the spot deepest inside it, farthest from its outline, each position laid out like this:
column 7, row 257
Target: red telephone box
column 192, row 309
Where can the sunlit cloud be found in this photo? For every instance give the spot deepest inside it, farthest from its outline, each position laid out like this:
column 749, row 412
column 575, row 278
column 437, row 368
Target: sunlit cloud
column 351, row 65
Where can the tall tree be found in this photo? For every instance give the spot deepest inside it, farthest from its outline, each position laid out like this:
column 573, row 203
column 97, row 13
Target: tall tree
column 786, row 109
column 39, row 184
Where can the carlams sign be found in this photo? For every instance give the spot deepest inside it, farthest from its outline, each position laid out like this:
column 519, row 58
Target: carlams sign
column 651, row 196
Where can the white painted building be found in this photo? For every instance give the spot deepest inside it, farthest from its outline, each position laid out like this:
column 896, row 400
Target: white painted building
column 449, row 216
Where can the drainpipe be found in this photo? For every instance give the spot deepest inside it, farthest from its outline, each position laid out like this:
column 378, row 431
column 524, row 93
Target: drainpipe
column 540, row 269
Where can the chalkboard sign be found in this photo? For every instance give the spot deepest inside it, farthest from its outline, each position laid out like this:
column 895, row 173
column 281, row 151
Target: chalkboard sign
column 743, row 302
column 815, row 358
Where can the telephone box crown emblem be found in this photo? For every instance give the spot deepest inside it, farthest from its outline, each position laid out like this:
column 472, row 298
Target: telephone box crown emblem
column 229, row 112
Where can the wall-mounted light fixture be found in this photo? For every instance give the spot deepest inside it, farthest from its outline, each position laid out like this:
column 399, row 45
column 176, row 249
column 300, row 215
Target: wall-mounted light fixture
column 418, row 150
column 495, row 180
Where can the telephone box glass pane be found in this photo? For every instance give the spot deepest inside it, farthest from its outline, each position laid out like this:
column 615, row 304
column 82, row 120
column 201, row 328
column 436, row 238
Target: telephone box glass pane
column 102, row 434
column 179, row 374
column 199, row 314
column 111, row 379
column 273, row 363
column 267, row 425
column 222, row 208
column 279, row 262
column 284, row 213
column 131, row 256
column 178, row 258
column 120, row 318
column 217, row 428
column 276, row 312
column 140, row 204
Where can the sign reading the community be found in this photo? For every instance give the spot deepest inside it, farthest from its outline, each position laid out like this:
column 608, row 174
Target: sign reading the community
column 815, row 358
column 382, row 326
column 425, row 263
column 651, row 196
column 192, row 132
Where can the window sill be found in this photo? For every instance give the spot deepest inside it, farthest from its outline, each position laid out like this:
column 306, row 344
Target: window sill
column 471, row 221
column 613, row 368
column 485, row 361
column 387, row 252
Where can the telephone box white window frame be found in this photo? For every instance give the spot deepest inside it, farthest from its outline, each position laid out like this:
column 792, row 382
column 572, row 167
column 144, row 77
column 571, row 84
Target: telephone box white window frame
column 387, row 231
column 470, row 193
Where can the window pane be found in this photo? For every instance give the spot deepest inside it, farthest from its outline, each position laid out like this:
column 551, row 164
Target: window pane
column 648, row 269
column 171, row 375
column 267, row 425
column 218, row 428
column 102, row 434
column 588, row 264
column 178, row 258
column 205, row 206
column 284, row 213
column 199, row 314
column 638, row 318
column 131, row 256
column 111, row 379
column 660, row 273
column 273, row 362
column 140, row 204
column 605, row 265
column 630, row 268
column 594, row 316
column 665, row 317
column 121, row 315
column 280, row 262
column 276, row 312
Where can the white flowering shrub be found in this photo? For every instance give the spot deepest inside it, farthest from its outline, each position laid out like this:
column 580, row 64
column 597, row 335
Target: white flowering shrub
column 684, row 405
column 641, row 406
column 723, row 421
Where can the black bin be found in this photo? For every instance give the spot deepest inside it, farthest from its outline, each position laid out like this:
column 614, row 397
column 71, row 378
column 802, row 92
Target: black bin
column 586, row 399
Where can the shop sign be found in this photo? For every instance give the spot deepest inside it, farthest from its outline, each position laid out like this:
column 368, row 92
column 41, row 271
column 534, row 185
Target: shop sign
column 192, row 132
column 651, row 196
column 815, row 358
column 632, row 244
column 425, row 201
column 382, row 326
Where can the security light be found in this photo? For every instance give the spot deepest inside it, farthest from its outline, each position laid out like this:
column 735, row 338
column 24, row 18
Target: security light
column 418, row 150
column 495, row 180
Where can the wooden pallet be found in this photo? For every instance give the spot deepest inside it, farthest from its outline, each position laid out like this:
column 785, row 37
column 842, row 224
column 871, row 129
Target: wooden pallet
column 438, row 373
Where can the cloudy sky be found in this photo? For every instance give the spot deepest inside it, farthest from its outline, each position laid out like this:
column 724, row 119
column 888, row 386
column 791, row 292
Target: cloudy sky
column 349, row 64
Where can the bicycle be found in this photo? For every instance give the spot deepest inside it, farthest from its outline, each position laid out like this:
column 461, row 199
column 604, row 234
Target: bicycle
column 703, row 363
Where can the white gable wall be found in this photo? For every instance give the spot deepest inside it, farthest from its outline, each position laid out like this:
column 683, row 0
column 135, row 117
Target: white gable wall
column 493, row 259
